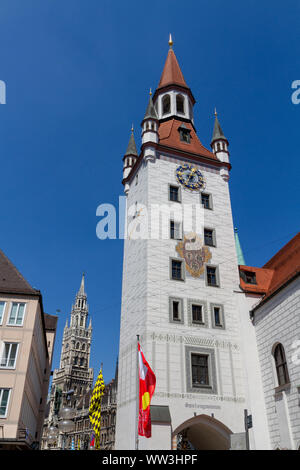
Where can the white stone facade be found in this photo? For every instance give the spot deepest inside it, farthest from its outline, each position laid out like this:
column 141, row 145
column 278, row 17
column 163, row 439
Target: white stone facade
column 147, row 288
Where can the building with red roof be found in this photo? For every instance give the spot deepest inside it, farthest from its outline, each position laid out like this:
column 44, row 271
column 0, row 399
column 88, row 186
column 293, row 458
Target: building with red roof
column 272, row 298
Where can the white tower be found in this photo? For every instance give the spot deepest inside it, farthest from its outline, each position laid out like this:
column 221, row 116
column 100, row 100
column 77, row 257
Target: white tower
column 180, row 291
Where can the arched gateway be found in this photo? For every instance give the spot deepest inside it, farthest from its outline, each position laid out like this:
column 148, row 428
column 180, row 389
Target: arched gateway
column 202, row 432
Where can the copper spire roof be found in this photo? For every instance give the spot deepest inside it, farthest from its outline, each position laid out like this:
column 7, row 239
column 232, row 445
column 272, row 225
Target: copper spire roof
column 172, row 74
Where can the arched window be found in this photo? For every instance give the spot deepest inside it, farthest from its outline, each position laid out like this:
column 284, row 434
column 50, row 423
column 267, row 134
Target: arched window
column 281, row 365
column 180, row 104
column 77, row 345
column 83, row 347
column 218, row 146
column 166, row 104
column 81, row 321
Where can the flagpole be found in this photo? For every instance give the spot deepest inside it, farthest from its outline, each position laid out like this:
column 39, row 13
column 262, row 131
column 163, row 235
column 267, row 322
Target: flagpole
column 137, row 394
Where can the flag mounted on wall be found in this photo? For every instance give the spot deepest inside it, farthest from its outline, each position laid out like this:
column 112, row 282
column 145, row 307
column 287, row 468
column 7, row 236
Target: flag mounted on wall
column 147, row 382
column 95, row 408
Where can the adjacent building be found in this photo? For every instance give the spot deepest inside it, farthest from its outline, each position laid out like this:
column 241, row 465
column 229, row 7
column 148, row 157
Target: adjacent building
column 27, row 336
column 272, row 295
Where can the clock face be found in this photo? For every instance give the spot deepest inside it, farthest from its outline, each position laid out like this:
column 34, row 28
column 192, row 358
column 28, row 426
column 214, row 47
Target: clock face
column 190, row 177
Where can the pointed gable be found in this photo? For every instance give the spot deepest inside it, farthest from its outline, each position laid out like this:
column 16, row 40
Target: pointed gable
column 169, row 137
column 11, row 280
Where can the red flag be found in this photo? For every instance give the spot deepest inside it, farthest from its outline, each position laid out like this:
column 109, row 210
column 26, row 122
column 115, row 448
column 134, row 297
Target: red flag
column 147, row 381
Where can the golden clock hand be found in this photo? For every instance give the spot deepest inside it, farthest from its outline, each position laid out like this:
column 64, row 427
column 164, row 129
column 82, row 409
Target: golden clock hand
column 192, row 173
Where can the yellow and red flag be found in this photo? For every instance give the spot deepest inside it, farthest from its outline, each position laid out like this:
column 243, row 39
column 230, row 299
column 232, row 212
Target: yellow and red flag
column 147, row 382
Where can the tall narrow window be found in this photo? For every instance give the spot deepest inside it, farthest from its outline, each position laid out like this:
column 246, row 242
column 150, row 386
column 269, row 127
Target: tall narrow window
column 176, row 271
column 200, row 374
column 9, row 354
column 4, row 396
column 180, row 104
column 197, row 314
column 206, row 201
column 2, row 307
column 166, row 104
column 175, row 230
column 176, row 310
column 174, row 194
column 209, row 238
column 16, row 316
column 217, row 316
column 281, row 365
column 211, row 276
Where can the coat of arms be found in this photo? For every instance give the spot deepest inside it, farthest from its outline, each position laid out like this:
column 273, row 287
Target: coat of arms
column 195, row 254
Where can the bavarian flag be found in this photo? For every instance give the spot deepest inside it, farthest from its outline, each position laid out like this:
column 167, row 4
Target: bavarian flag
column 147, row 382
column 95, row 408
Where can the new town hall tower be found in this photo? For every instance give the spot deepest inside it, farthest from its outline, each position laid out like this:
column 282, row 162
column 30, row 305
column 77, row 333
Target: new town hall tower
column 181, row 284
column 74, row 374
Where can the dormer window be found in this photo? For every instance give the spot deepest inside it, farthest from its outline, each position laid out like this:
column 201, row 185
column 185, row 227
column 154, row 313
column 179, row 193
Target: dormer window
column 166, row 104
column 180, row 104
column 185, row 134
column 249, row 277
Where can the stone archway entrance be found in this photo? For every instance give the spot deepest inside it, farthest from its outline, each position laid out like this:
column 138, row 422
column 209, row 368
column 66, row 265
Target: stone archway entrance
column 202, row 432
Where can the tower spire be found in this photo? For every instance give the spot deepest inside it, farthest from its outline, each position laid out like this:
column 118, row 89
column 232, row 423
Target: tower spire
column 131, row 148
column 150, row 111
column 217, row 132
column 172, row 74
column 219, row 145
column 239, row 252
column 129, row 158
column 81, row 289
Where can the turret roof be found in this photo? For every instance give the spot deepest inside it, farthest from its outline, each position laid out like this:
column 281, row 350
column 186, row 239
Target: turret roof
column 131, row 148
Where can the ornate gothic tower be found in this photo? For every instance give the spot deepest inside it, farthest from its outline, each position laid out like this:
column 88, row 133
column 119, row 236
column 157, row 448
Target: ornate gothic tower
column 181, row 284
column 74, row 374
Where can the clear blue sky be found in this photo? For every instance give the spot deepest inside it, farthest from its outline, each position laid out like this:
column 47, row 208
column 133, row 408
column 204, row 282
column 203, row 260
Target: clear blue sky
column 78, row 74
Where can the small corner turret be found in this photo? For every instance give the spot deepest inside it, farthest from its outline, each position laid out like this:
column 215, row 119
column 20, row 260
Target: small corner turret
column 129, row 158
column 219, row 145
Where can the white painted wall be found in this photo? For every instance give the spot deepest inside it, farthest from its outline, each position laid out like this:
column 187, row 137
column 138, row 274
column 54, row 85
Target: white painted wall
column 278, row 321
column 145, row 311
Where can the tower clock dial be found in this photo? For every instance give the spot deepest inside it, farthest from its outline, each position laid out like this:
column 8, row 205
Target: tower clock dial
column 190, row 177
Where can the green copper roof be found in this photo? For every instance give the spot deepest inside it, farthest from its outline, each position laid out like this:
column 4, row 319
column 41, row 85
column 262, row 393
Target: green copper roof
column 239, row 252
column 131, row 148
column 150, row 111
column 217, row 133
